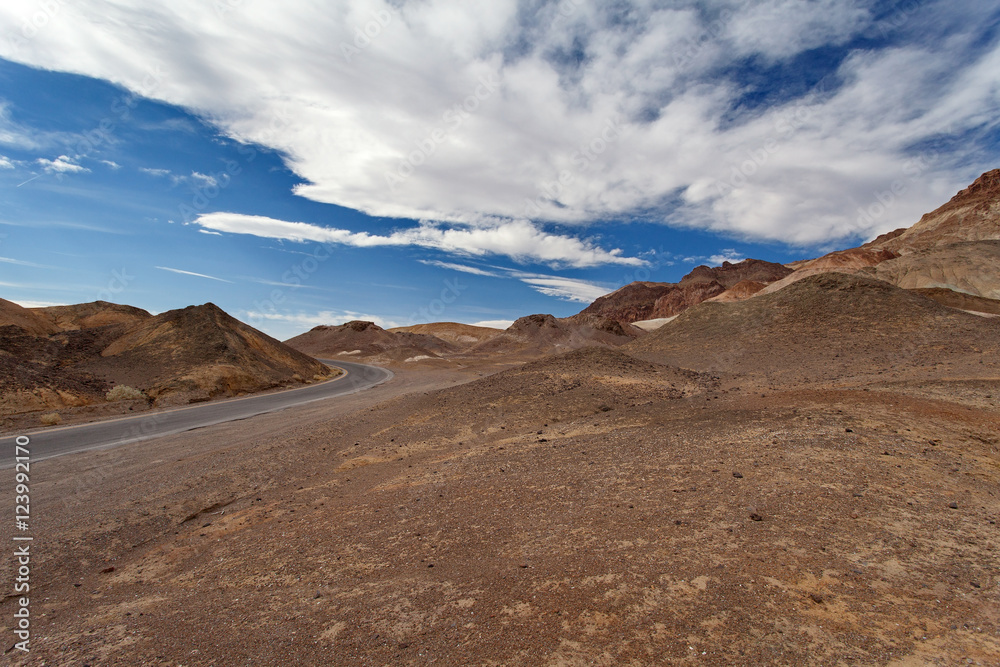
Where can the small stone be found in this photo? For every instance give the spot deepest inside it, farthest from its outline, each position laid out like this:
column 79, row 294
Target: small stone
column 756, row 516
column 816, row 597
column 738, row 475
column 108, row 570
column 975, row 584
column 953, row 505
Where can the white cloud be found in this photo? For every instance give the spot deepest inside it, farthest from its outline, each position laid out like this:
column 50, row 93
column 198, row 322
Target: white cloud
column 38, row 304
column 112, row 164
column 460, row 267
column 192, row 273
column 5, row 163
column 315, row 319
column 519, row 239
column 61, row 165
column 19, row 262
column 477, row 115
column 155, row 172
column 566, row 289
column 727, row 255
column 204, row 180
column 494, row 324
column 210, row 232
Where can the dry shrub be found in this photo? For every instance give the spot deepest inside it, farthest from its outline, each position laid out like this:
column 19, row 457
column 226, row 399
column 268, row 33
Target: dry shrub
column 124, row 393
column 50, row 418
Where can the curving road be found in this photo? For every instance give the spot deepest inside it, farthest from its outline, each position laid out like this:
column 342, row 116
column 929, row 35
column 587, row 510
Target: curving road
column 49, row 443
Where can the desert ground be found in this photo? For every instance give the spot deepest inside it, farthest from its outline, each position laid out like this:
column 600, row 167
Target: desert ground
column 800, row 467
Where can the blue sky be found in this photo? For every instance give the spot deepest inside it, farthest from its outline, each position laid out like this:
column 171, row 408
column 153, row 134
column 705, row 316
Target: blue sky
column 472, row 162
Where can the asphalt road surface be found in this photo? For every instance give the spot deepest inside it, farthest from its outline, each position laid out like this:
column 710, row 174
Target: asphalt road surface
column 52, row 442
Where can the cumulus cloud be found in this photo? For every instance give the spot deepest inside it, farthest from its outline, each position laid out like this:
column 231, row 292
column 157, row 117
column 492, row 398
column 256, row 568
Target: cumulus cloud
column 5, row 162
column 564, row 112
column 61, row 165
column 728, row 255
column 518, row 239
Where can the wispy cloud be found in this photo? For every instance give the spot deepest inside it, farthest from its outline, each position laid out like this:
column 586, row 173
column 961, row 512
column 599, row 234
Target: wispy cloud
column 160, row 173
column 566, row 289
column 61, row 165
column 210, row 232
column 111, row 164
column 518, row 239
column 192, row 273
column 460, row 267
column 18, row 262
column 5, row 162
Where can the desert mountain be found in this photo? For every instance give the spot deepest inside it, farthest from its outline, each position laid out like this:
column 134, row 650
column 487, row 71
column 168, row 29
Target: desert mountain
column 70, row 356
column 370, row 342
column 538, row 335
column 639, row 301
column 972, row 215
column 90, row 315
column 462, row 335
column 826, row 326
column 11, row 314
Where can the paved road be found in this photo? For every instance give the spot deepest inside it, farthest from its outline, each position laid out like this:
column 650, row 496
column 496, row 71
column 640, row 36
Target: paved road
column 52, row 442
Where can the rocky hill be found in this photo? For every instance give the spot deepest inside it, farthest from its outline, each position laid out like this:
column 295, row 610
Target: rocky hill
column 972, row 215
column 12, row 314
column 539, row 335
column 639, row 301
column 366, row 341
column 953, row 247
column 69, row 357
column 90, row 315
column 826, row 326
column 461, row 335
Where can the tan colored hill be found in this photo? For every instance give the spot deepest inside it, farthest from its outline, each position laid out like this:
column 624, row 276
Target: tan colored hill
column 461, row 335
column 824, row 327
column 180, row 356
column 538, row 335
column 90, row 315
column 970, row 268
column 639, row 301
column 922, row 256
column 366, row 341
column 972, row 215
column 11, row 314
column 199, row 353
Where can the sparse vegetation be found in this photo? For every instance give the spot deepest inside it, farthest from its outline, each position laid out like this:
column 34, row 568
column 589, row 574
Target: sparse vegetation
column 123, row 392
column 50, row 418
